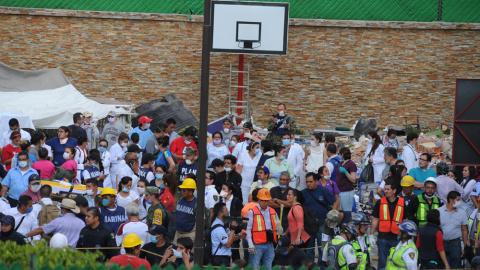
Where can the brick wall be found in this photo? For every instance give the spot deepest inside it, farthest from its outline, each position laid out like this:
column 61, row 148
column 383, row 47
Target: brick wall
column 335, row 71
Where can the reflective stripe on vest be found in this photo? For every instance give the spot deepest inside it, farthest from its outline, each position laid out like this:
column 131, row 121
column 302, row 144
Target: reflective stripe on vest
column 259, row 234
column 395, row 260
column 423, row 208
column 386, row 224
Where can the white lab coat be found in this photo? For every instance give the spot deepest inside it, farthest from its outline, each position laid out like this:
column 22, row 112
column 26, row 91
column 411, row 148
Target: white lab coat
column 239, row 149
column 410, row 157
column 296, row 156
column 80, row 159
column 378, row 161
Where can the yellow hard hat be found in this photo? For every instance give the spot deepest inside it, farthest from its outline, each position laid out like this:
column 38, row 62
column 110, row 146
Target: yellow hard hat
column 407, row 181
column 131, row 240
column 109, row 191
column 264, row 194
column 188, row 183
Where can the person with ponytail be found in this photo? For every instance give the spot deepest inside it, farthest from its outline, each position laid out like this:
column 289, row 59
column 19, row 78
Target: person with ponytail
column 325, row 181
column 375, row 154
column 124, row 194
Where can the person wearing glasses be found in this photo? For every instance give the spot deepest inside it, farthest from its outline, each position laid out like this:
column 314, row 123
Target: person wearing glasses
column 59, row 144
column 422, row 172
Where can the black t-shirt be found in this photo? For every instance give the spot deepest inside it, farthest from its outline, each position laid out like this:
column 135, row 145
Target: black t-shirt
column 391, row 210
column 276, row 192
column 153, row 259
column 77, row 131
column 295, row 258
column 232, row 177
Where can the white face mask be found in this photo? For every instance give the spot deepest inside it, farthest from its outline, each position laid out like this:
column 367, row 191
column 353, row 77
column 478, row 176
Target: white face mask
column 147, row 126
column 23, row 164
column 90, row 192
column 35, row 188
column 140, row 190
column 187, row 142
column 327, row 177
column 111, row 120
column 281, row 114
column 233, row 143
column 247, row 135
column 226, row 130
column 457, row 204
column 223, row 194
column 66, row 155
column 156, row 147
column 124, row 144
column 188, row 161
column 313, row 143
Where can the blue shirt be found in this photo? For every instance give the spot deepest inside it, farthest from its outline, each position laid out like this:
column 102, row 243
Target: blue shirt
column 323, row 195
column 162, row 158
column 16, row 182
column 220, row 235
column 184, row 169
column 281, row 129
column 186, row 215
column 420, row 175
column 115, row 218
column 143, row 134
column 58, row 149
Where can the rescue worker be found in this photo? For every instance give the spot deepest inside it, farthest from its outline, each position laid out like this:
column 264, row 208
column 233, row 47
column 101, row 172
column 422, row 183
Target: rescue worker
column 261, row 230
column 419, row 205
column 112, row 215
column 405, row 255
column 361, row 245
column 97, row 234
column 339, row 253
column 157, row 214
column 132, row 244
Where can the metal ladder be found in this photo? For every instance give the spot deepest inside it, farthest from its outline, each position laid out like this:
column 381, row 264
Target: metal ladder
column 233, row 103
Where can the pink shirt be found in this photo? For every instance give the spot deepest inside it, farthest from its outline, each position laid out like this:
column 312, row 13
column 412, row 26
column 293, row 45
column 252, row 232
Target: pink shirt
column 295, row 223
column 46, row 168
column 70, row 165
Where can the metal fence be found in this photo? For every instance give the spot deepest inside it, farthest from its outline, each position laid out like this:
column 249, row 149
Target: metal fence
column 373, row 10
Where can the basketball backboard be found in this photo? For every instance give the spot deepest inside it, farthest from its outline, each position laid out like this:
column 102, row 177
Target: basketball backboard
column 249, row 27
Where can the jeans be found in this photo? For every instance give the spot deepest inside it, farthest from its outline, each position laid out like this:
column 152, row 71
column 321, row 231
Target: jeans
column 346, row 200
column 453, row 250
column 384, row 246
column 221, row 260
column 311, row 252
column 265, row 252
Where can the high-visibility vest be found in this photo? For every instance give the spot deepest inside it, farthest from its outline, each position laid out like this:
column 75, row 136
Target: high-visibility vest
column 363, row 255
column 335, row 257
column 387, row 224
column 395, row 260
column 423, row 208
column 259, row 231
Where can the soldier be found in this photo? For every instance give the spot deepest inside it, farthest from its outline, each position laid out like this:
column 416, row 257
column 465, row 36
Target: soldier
column 157, row 214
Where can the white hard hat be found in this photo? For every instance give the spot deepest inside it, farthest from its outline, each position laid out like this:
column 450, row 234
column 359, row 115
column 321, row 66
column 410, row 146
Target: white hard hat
column 430, row 179
column 58, row 241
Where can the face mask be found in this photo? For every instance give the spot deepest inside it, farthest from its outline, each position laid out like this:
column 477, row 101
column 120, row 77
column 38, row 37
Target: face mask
column 285, row 253
column 282, row 186
column 313, row 143
column 158, row 176
column 23, row 164
column 223, row 194
column 247, row 135
column 42, row 145
column 153, row 239
column 102, row 149
column 140, row 190
column 66, row 156
column 149, row 201
column 90, row 192
column 35, row 188
column 60, row 215
column 414, row 146
column 405, row 174
column 187, row 142
column 29, row 210
column 188, row 161
column 256, row 151
column 232, row 144
column 124, row 144
column 111, row 120
column 281, row 114
column 125, row 189
column 139, row 155
column 264, row 182
column 177, row 253
column 156, row 147
column 282, row 157
column 15, row 146
column 369, row 140
column 105, row 202
column 326, row 177
column 227, row 169
column 226, row 130
column 161, row 185
column 217, row 142
column 428, row 197
column 147, row 126
column 286, row 142
column 457, row 204
column 94, row 165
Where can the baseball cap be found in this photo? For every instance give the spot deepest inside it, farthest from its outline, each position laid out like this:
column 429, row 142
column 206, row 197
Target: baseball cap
column 190, row 151
column 248, row 125
column 283, row 244
column 407, row 181
column 158, row 229
column 33, row 179
column 87, row 114
column 112, row 113
column 215, row 163
column 332, row 219
column 264, row 169
column 8, row 219
column 144, row 119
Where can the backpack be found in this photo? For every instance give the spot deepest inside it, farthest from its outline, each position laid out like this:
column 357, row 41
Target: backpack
column 336, row 163
column 63, row 173
column 208, row 256
column 332, row 254
column 311, row 224
column 48, row 213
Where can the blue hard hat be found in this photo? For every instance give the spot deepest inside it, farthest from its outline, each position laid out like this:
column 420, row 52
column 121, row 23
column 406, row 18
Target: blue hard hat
column 357, row 218
column 409, row 227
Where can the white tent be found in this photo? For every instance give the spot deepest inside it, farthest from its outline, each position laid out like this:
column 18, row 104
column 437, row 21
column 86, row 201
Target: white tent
column 48, row 97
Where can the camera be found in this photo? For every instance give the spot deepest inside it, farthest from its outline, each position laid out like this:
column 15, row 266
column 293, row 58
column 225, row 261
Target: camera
column 241, row 225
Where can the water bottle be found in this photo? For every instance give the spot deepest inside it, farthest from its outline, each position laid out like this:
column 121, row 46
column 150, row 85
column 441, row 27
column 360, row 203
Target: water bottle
column 14, row 160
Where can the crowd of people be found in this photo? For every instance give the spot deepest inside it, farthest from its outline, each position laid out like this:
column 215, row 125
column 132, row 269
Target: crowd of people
column 269, row 201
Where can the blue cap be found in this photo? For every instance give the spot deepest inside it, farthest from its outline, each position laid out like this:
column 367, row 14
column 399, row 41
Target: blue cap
column 283, row 244
column 8, row 219
column 265, row 169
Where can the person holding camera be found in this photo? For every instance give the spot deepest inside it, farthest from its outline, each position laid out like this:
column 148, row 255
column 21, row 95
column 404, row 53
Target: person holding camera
column 222, row 238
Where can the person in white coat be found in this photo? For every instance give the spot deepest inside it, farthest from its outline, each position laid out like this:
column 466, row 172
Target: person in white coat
column 295, row 155
column 409, row 154
column 106, row 159
column 117, row 154
column 81, row 154
column 375, row 154
column 241, row 148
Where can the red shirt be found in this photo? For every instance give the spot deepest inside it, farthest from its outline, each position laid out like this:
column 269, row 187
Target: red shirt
column 177, row 147
column 35, row 196
column 242, row 137
column 438, row 240
column 168, row 200
column 8, row 154
column 135, row 262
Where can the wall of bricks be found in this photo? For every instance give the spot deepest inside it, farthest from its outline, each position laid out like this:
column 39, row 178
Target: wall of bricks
column 334, row 73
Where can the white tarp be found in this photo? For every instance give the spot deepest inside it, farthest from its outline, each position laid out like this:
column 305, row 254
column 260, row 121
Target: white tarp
column 24, row 120
column 47, row 97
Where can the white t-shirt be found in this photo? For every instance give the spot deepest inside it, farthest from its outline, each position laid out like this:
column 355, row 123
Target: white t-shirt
column 137, row 227
column 211, row 196
column 29, row 224
column 123, row 201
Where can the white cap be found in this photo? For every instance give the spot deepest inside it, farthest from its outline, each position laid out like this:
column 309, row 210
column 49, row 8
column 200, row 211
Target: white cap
column 430, row 179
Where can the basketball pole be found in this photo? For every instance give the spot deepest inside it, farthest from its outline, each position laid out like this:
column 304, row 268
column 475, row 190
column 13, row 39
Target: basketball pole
column 202, row 138
column 241, row 61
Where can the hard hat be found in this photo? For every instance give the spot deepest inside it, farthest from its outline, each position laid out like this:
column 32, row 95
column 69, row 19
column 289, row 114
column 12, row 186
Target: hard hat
column 131, row 240
column 58, row 241
column 409, row 227
column 360, row 218
column 442, row 168
column 109, row 191
column 264, row 194
column 431, row 180
column 348, row 229
column 407, row 181
column 188, row 183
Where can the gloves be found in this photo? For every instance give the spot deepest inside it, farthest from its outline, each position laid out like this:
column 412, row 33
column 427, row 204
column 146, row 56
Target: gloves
column 371, row 239
column 280, row 231
column 276, row 175
column 251, row 249
column 343, row 170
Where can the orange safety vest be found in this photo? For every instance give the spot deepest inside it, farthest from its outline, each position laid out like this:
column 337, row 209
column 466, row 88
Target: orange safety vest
column 386, row 223
column 259, row 233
